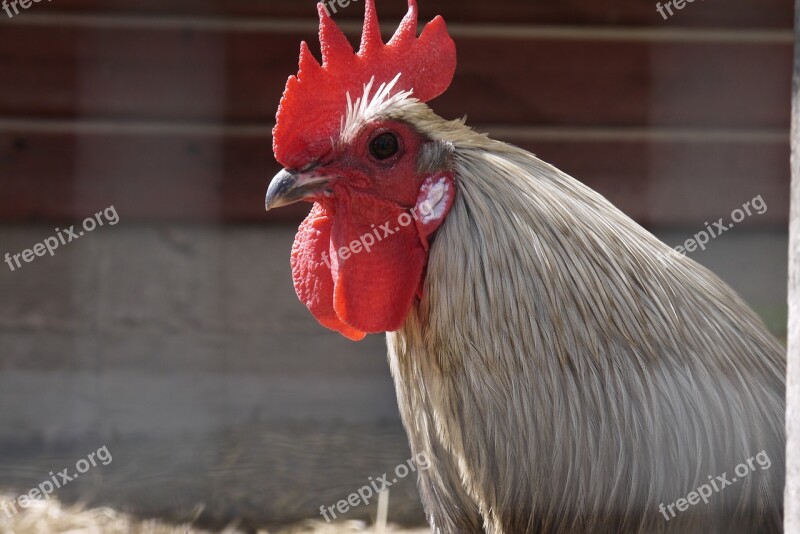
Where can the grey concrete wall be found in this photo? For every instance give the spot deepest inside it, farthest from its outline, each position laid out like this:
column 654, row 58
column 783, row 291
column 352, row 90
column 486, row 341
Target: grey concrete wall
column 185, row 351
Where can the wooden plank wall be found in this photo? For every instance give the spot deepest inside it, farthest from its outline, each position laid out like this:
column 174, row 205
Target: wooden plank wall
column 164, row 108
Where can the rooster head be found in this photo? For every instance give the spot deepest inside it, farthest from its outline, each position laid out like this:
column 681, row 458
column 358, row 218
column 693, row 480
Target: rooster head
column 346, row 145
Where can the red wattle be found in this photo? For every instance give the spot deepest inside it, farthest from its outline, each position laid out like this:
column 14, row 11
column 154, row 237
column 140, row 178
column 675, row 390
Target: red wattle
column 358, row 262
column 378, row 262
column 357, row 266
column 312, row 277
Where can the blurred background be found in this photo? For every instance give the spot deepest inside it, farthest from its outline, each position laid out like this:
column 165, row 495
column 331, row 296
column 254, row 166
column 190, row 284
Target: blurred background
column 174, row 337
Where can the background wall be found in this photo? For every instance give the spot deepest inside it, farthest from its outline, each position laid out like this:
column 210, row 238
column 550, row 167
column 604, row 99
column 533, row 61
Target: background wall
column 174, row 337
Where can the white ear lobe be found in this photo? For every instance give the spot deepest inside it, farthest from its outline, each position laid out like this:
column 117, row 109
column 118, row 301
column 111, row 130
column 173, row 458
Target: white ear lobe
column 434, row 199
column 436, row 196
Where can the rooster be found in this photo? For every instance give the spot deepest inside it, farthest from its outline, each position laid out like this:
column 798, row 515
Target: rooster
column 560, row 367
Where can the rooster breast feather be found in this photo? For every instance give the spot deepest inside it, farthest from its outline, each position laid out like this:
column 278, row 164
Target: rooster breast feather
column 566, row 370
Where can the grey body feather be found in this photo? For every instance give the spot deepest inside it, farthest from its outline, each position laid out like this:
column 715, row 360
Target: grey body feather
column 565, row 372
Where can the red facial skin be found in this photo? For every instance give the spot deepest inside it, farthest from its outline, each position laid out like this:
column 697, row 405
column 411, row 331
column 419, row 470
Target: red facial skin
column 359, row 257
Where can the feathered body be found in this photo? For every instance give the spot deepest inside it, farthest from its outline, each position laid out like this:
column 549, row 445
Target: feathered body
column 563, row 370
column 566, row 372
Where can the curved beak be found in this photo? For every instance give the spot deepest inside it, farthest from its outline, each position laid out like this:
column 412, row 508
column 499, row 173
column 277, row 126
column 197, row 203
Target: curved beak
column 288, row 187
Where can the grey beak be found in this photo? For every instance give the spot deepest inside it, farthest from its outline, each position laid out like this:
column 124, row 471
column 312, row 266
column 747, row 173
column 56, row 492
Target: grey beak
column 288, row 187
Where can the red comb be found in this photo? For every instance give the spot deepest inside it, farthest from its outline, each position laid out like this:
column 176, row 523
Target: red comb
column 314, row 100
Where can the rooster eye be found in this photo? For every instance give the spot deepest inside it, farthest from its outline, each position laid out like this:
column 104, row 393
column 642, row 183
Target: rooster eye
column 384, row 146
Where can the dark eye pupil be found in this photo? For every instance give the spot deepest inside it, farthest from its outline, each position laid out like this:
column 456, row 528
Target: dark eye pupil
column 384, row 146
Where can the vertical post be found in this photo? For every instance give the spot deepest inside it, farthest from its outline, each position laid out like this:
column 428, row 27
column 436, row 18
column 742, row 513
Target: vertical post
column 792, row 495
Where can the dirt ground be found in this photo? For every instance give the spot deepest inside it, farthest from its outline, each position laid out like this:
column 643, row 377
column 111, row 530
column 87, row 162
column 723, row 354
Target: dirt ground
column 48, row 517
